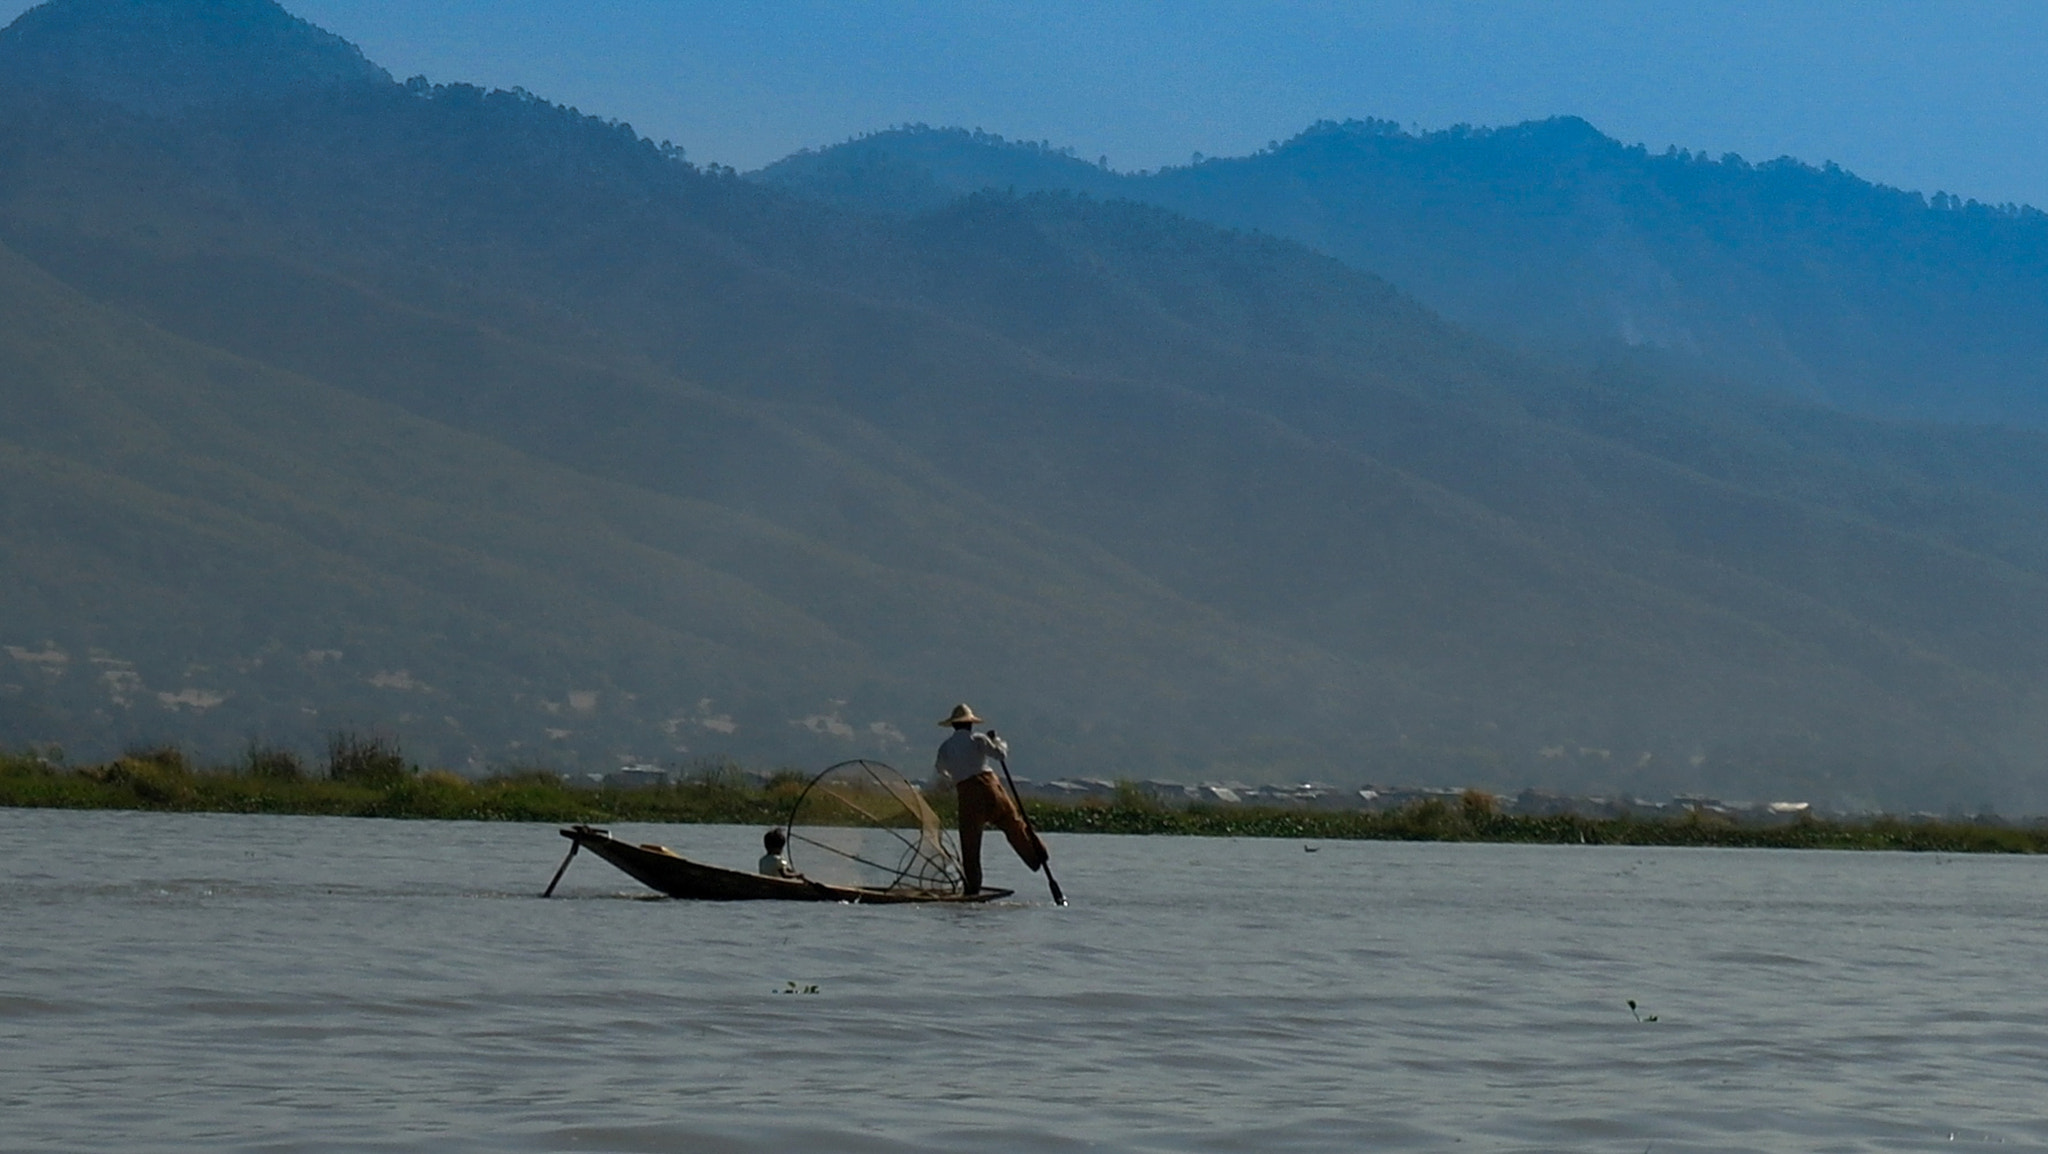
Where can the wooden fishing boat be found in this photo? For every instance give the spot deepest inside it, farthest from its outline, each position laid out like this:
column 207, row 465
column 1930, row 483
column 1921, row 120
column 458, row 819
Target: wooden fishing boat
column 661, row 868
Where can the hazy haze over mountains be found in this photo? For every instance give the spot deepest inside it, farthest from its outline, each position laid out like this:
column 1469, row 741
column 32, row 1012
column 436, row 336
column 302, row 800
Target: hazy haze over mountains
column 337, row 401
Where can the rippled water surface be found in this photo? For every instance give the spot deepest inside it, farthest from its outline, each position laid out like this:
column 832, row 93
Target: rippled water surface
column 284, row 984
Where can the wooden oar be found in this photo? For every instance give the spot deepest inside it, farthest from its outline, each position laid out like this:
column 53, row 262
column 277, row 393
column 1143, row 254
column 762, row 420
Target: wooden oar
column 573, row 847
column 1045, row 867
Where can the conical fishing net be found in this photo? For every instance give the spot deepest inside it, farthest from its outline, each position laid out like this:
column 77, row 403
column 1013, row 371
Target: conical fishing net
column 860, row 824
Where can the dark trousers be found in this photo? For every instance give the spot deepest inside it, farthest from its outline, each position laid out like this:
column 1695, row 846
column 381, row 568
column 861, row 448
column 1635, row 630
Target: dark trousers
column 984, row 802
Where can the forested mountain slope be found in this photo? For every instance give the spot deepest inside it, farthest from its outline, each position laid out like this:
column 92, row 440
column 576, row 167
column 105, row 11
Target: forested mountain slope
column 1552, row 236
column 151, row 56
column 464, row 415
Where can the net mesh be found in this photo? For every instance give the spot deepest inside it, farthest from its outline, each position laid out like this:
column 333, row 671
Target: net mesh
column 860, row 823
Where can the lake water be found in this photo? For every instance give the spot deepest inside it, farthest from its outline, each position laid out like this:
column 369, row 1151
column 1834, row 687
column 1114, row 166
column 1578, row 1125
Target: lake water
column 172, row 982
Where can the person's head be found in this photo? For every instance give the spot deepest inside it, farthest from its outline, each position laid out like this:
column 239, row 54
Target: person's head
column 962, row 718
column 774, row 840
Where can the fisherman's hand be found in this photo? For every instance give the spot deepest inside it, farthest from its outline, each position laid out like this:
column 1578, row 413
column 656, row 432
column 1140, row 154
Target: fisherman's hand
column 996, row 739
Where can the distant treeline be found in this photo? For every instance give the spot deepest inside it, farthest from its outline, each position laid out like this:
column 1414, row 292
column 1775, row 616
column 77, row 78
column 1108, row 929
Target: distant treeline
column 369, row 778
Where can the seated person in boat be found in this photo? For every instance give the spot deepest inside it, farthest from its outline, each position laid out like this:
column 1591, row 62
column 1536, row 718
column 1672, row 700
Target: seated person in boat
column 775, row 863
column 964, row 758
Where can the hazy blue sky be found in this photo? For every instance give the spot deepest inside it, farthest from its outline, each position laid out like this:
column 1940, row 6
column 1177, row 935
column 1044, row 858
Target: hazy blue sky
column 1920, row 94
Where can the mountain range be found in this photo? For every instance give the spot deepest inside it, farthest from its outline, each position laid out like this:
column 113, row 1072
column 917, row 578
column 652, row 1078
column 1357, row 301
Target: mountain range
column 1553, row 238
column 339, row 402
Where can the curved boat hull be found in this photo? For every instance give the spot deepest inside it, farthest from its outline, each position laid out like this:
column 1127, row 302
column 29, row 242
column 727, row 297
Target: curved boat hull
column 660, row 868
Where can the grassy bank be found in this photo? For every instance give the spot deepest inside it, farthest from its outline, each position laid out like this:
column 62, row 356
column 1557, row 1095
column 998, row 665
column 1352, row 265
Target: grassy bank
column 370, row 780
column 365, row 779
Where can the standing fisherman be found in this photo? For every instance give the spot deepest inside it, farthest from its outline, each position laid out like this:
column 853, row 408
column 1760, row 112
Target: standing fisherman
column 963, row 758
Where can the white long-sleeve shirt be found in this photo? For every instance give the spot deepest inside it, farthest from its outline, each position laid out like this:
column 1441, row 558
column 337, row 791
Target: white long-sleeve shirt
column 967, row 753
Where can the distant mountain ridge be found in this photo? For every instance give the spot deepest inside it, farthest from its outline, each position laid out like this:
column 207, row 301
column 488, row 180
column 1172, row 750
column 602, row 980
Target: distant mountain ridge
column 164, row 56
column 460, row 415
column 1552, row 236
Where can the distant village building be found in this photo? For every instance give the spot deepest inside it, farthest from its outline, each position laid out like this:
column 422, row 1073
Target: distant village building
column 638, row 777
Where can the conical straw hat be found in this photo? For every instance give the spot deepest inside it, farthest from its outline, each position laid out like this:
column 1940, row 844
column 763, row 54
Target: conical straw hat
column 961, row 714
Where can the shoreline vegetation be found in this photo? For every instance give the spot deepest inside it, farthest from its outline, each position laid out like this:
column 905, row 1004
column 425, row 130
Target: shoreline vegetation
column 370, row 778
